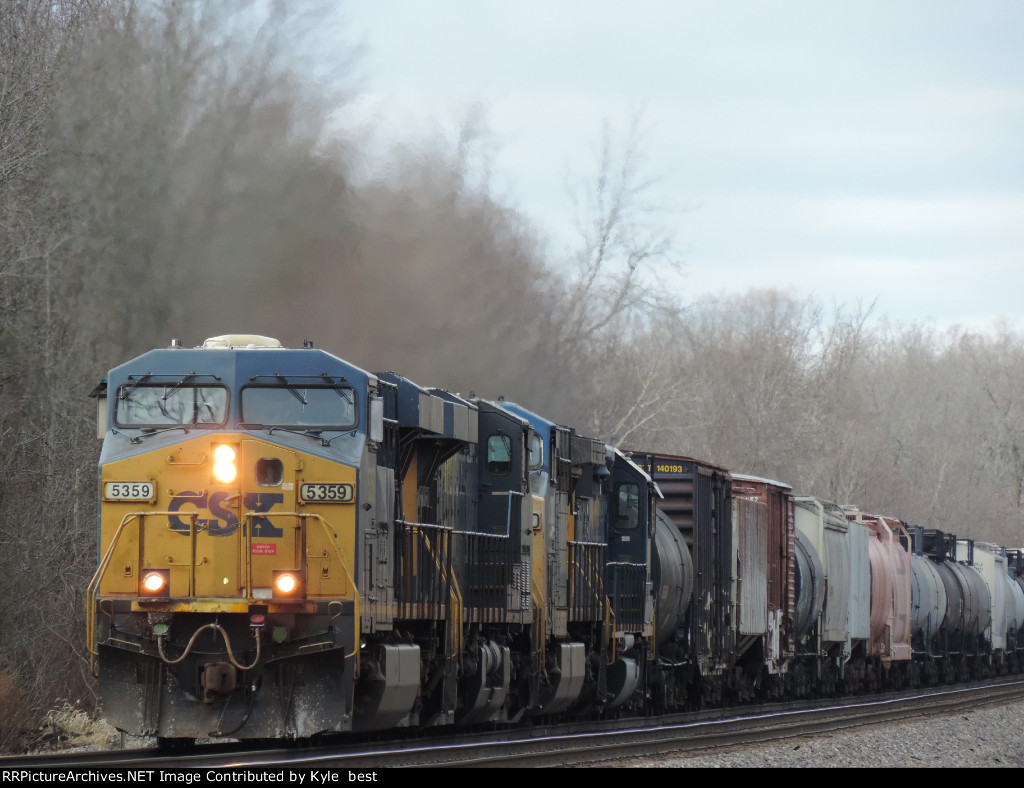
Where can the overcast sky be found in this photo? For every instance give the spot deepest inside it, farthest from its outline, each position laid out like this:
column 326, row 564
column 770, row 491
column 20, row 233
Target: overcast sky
column 850, row 150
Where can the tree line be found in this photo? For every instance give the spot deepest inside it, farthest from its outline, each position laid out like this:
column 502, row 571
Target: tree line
column 176, row 168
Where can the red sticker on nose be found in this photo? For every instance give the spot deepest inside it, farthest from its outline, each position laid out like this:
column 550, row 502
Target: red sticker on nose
column 264, row 548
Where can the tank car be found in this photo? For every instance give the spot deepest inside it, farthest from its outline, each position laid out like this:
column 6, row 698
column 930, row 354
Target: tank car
column 1015, row 625
column 990, row 561
column 961, row 640
column 929, row 606
column 859, row 670
column 835, row 568
column 891, row 584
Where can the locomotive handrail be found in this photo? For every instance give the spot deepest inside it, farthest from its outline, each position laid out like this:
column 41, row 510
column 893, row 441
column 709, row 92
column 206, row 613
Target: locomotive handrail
column 341, row 560
column 540, row 622
column 480, row 534
column 433, row 526
column 609, row 627
column 454, row 592
column 592, row 578
column 455, row 605
column 508, row 517
column 620, row 595
column 101, row 570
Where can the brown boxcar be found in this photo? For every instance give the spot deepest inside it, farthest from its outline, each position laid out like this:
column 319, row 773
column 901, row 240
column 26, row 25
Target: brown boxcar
column 766, row 535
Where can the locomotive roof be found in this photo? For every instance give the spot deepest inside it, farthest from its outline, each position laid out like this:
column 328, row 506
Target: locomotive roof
column 241, row 358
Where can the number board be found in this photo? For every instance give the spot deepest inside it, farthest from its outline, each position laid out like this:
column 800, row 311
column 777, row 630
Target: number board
column 326, row 493
column 129, row 491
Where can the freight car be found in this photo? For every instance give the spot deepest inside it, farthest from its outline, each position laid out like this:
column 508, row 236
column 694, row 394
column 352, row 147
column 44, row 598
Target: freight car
column 289, row 546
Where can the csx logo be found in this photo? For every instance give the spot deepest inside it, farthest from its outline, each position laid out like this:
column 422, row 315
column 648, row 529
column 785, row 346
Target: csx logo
column 223, row 521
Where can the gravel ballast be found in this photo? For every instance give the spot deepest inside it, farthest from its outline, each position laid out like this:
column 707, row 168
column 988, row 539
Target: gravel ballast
column 988, row 737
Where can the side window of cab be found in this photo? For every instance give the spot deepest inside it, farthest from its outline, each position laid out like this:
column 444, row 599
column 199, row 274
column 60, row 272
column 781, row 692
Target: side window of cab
column 499, row 454
column 627, row 506
column 536, row 451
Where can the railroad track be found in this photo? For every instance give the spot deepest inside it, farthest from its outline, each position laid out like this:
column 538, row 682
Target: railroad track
column 562, row 745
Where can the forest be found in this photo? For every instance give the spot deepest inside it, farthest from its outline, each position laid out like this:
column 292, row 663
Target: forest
column 181, row 169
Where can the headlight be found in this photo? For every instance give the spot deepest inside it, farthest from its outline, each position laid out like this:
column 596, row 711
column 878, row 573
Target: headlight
column 288, row 583
column 155, row 583
column 224, row 468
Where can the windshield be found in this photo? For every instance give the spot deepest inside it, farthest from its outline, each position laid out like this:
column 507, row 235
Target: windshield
column 170, row 404
column 326, row 407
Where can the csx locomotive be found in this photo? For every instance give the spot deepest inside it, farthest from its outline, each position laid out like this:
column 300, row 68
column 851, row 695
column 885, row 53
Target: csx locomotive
column 291, row 546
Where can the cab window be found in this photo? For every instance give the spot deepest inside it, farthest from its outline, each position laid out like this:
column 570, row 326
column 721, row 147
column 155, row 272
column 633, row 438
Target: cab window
column 170, row 404
column 499, row 454
column 627, row 506
column 536, row 452
column 327, row 407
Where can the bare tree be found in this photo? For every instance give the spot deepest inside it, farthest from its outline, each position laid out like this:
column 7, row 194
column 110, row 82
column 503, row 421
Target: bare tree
column 625, row 242
column 145, row 148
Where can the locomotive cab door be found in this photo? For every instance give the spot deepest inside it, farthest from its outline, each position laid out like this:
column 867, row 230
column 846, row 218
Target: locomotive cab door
column 629, row 521
column 630, row 527
column 502, row 469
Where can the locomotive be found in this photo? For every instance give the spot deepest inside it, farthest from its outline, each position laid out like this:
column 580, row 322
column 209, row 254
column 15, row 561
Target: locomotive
column 291, row 546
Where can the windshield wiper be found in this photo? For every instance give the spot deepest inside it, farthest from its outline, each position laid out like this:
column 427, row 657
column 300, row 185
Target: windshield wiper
column 339, row 386
column 315, row 434
column 150, row 431
column 135, row 385
column 350, row 431
column 178, row 385
column 291, row 390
